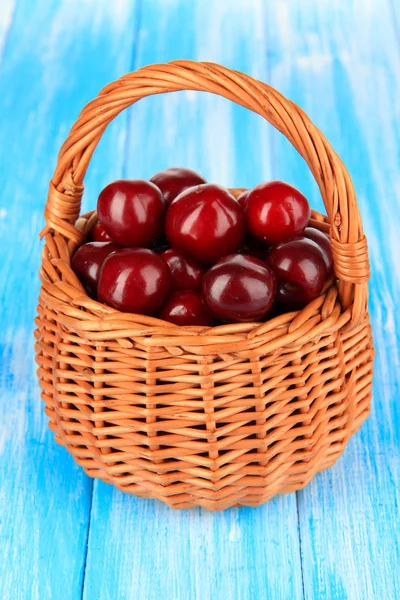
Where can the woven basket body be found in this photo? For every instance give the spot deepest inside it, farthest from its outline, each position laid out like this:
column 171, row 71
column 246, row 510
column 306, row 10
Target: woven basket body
column 215, row 417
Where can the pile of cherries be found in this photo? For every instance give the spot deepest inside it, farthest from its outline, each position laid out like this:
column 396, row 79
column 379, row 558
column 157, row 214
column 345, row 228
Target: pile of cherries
column 190, row 253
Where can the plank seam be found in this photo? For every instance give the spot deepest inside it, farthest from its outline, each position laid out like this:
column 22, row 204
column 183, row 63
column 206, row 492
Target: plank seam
column 300, row 546
column 87, row 540
column 273, row 165
column 135, row 46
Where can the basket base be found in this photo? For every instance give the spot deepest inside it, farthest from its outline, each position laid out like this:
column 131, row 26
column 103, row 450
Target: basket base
column 227, row 497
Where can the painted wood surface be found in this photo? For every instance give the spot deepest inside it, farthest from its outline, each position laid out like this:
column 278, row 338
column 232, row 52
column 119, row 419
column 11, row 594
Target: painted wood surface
column 56, row 56
column 63, row 536
column 341, row 67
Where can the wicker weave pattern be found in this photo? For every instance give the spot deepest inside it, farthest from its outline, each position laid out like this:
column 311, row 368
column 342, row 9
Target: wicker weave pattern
column 219, row 416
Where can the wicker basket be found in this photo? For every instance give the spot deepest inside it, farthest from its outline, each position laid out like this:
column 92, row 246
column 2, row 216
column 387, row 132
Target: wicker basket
column 214, row 417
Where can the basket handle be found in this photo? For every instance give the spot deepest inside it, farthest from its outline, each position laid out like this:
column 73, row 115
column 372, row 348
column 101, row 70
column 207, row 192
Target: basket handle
column 348, row 241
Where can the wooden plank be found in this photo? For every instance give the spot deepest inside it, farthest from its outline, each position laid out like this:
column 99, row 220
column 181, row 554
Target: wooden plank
column 142, row 550
column 340, row 63
column 56, row 57
column 139, row 548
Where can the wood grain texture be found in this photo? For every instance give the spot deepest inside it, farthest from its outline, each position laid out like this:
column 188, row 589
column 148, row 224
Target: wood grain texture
column 49, row 68
column 341, row 67
column 143, row 550
column 339, row 61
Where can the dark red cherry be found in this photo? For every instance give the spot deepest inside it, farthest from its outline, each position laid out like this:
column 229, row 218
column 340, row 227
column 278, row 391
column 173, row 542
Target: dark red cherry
column 186, row 308
column 205, row 223
column 88, row 260
column 185, row 274
column 99, row 235
column 134, row 280
column 276, row 212
column 242, row 199
column 239, row 288
column 300, row 270
column 322, row 240
column 175, row 180
column 131, row 212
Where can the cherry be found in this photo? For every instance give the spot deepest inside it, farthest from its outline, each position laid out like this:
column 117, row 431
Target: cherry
column 134, row 280
column 88, row 260
column 175, row 180
column 185, row 274
column 322, row 240
column 205, row 223
column 239, row 288
column 242, row 199
column 99, row 235
column 276, row 212
column 186, row 308
column 131, row 212
column 300, row 270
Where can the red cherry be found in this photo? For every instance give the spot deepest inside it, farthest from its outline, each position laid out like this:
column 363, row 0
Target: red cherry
column 99, row 235
column 242, row 199
column 300, row 270
column 276, row 212
column 323, row 241
column 205, row 223
column 88, row 260
column 131, row 212
column 185, row 274
column 134, row 280
column 186, row 308
column 175, row 180
column 239, row 288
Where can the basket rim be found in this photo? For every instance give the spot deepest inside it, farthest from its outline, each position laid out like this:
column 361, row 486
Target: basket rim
column 101, row 324
column 349, row 245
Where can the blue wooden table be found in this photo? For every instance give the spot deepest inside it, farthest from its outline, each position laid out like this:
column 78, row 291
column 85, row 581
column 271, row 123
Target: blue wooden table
column 63, row 536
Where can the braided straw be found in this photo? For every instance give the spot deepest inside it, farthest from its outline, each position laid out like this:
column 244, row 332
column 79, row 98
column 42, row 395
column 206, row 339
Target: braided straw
column 203, row 416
